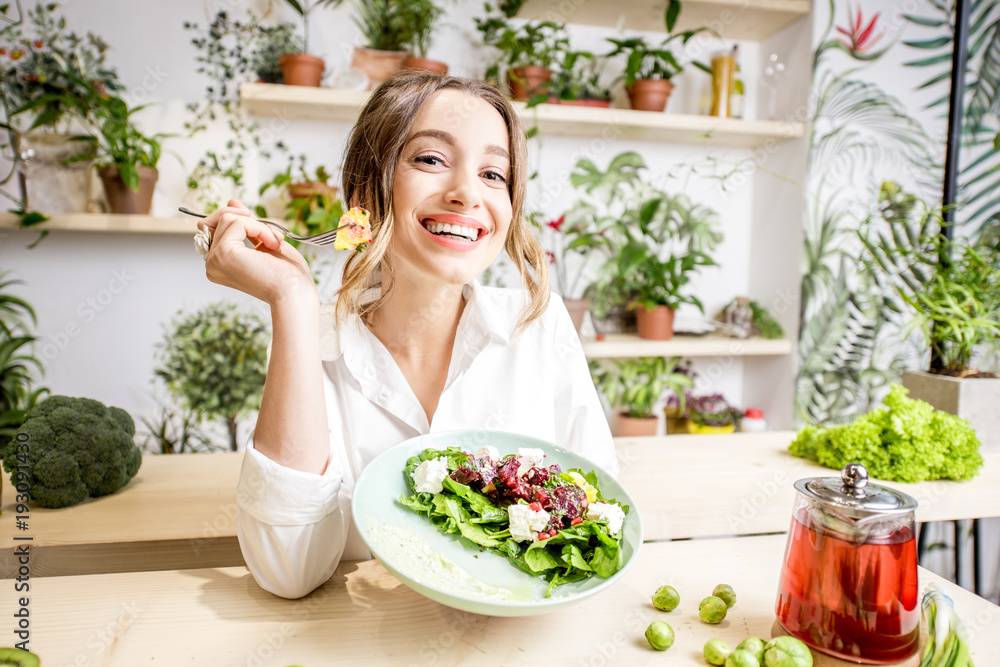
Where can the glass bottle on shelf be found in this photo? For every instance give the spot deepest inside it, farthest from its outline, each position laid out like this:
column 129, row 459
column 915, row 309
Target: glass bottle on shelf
column 736, row 97
column 739, row 317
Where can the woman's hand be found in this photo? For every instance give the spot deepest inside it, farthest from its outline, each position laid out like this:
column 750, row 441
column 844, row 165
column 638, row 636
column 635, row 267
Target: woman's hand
column 270, row 270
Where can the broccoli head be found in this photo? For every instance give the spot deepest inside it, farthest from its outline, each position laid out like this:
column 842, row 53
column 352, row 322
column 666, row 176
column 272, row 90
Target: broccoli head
column 77, row 447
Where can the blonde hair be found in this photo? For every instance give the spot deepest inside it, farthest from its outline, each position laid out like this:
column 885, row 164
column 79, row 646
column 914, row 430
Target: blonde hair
column 373, row 150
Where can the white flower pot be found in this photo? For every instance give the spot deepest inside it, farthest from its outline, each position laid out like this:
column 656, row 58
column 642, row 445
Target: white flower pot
column 974, row 399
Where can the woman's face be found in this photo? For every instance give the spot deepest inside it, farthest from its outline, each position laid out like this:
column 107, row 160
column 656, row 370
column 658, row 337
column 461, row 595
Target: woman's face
column 450, row 202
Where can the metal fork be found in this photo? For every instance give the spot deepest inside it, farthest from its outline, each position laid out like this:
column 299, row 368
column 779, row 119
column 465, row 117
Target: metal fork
column 323, row 239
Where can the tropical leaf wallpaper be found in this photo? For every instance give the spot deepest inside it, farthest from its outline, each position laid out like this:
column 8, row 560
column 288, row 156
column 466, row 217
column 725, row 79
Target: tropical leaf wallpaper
column 881, row 81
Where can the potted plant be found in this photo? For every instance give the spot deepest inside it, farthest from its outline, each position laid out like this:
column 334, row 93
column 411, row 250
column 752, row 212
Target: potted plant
column 312, row 204
column 952, row 289
column 304, row 69
column 48, row 78
column 389, row 28
column 270, row 44
column 570, row 242
column 529, row 54
column 711, row 414
column 214, row 362
column 636, row 385
column 653, row 242
column 577, row 81
column 424, row 17
column 649, row 69
column 126, row 158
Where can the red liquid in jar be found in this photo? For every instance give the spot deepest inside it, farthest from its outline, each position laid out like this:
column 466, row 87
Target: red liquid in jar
column 855, row 601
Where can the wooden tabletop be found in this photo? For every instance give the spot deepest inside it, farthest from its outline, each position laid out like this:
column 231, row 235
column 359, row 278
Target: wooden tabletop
column 742, row 484
column 179, row 511
column 363, row 615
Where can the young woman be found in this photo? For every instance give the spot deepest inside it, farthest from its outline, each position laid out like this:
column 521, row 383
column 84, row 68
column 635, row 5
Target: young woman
column 413, row 344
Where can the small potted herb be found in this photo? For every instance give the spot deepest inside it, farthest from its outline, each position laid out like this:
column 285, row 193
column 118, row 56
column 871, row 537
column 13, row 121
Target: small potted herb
column 312, row 202
column 636, row 385
column 271, row 43
column 530, row 53
column 304, row 69
column 126, row 158
column 389, row 28
column 649, row 69
column 711, row 414
column 425, row 16
column 577, row 81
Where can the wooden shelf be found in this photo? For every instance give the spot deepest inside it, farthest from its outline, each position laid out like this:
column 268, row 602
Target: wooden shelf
column 107, row 222
column 732, row 19
column 630, row 345
column 275, row 100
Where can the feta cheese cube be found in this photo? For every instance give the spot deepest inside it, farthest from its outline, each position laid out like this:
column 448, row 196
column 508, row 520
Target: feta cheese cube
column 489, row 451
column 525, row 522
column 529, row 458
column 428, row 475
column 609, row 512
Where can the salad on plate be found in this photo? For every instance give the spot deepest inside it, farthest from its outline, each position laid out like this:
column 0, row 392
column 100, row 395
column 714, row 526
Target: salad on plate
column 548, row 522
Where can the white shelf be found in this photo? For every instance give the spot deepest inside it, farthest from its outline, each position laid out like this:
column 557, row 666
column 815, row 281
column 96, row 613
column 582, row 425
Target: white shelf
column 276, row 100
column 107, row 222
column 733, row 19
column 630, row 345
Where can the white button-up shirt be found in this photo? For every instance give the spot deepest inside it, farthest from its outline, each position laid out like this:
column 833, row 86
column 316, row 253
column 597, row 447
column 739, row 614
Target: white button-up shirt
column 294, row 527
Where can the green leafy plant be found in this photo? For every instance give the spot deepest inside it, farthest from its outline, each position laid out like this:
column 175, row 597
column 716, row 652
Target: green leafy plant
column 319, row 211
column 393, row 25
column 637, row 384
column 952, row 288
column 711, row 410
column 272, row 42
column 577, row 77
column 175, row 431
column 424, row 18
column 763, row 323
column 214, row 362
column 304, row 8
column 652, row 242
column 18, row 363
column 652, row 61
column 539, row 43
column 905, row 441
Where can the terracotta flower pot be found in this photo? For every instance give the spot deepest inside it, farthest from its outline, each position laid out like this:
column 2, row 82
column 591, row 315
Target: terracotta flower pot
column 656, row 324
column 650, row 94
column 528, row 81
column 121, row 199
column 378, row 65
column 304, row 189
column 601, row 104
column 629, row 427
column 301, row 69
column 577, row 311
column 426, row 65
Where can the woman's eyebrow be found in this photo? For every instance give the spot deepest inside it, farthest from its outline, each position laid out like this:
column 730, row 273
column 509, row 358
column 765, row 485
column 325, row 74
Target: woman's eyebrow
column 447, row 138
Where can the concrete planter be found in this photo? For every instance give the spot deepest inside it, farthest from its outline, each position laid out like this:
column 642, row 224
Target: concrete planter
column 975, row 399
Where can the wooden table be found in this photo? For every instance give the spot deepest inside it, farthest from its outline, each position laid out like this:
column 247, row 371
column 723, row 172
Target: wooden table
column 742, row 484
column 179, row 512
column 363, row 615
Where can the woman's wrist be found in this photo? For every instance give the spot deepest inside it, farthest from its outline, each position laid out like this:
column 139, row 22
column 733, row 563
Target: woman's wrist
column 295, row 295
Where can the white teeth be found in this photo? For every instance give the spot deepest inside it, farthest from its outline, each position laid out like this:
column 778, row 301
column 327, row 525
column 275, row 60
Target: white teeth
column 470, row 233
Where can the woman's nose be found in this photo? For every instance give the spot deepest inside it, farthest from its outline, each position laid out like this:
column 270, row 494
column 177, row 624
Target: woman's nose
column 463, row 189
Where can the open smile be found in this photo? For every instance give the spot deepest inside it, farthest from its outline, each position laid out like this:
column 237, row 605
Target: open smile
column 453, row 231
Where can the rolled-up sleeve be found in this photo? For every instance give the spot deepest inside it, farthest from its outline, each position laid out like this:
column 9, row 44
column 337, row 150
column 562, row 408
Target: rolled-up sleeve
column 290, row 526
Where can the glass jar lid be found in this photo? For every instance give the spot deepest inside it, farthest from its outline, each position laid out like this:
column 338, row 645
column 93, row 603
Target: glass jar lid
column 853, row 492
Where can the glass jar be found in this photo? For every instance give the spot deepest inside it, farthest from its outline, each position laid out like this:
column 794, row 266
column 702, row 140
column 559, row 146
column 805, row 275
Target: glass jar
column 848, row 585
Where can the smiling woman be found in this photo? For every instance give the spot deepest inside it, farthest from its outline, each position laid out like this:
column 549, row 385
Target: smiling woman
column 413, row 344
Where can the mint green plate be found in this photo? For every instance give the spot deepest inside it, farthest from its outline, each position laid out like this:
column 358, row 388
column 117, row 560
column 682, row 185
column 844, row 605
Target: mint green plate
column 452, row 570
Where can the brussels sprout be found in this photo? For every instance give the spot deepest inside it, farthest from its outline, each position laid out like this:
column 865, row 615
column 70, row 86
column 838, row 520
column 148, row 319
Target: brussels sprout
column 725, row 593
column 741, row 658
column 716, row 651
column 712, row 610
column 755, row 646
column 787, row 652
column 666, row 598
column 660, row 635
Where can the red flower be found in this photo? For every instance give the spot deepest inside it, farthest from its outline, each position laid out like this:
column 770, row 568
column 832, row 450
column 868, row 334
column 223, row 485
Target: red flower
column 38, row 44
column 556, row 224
column 861, row 36
column 3, row 51
column 552, row 257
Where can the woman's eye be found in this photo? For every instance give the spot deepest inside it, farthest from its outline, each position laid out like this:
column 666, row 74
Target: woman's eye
column 496, row 176
column 432, row 160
